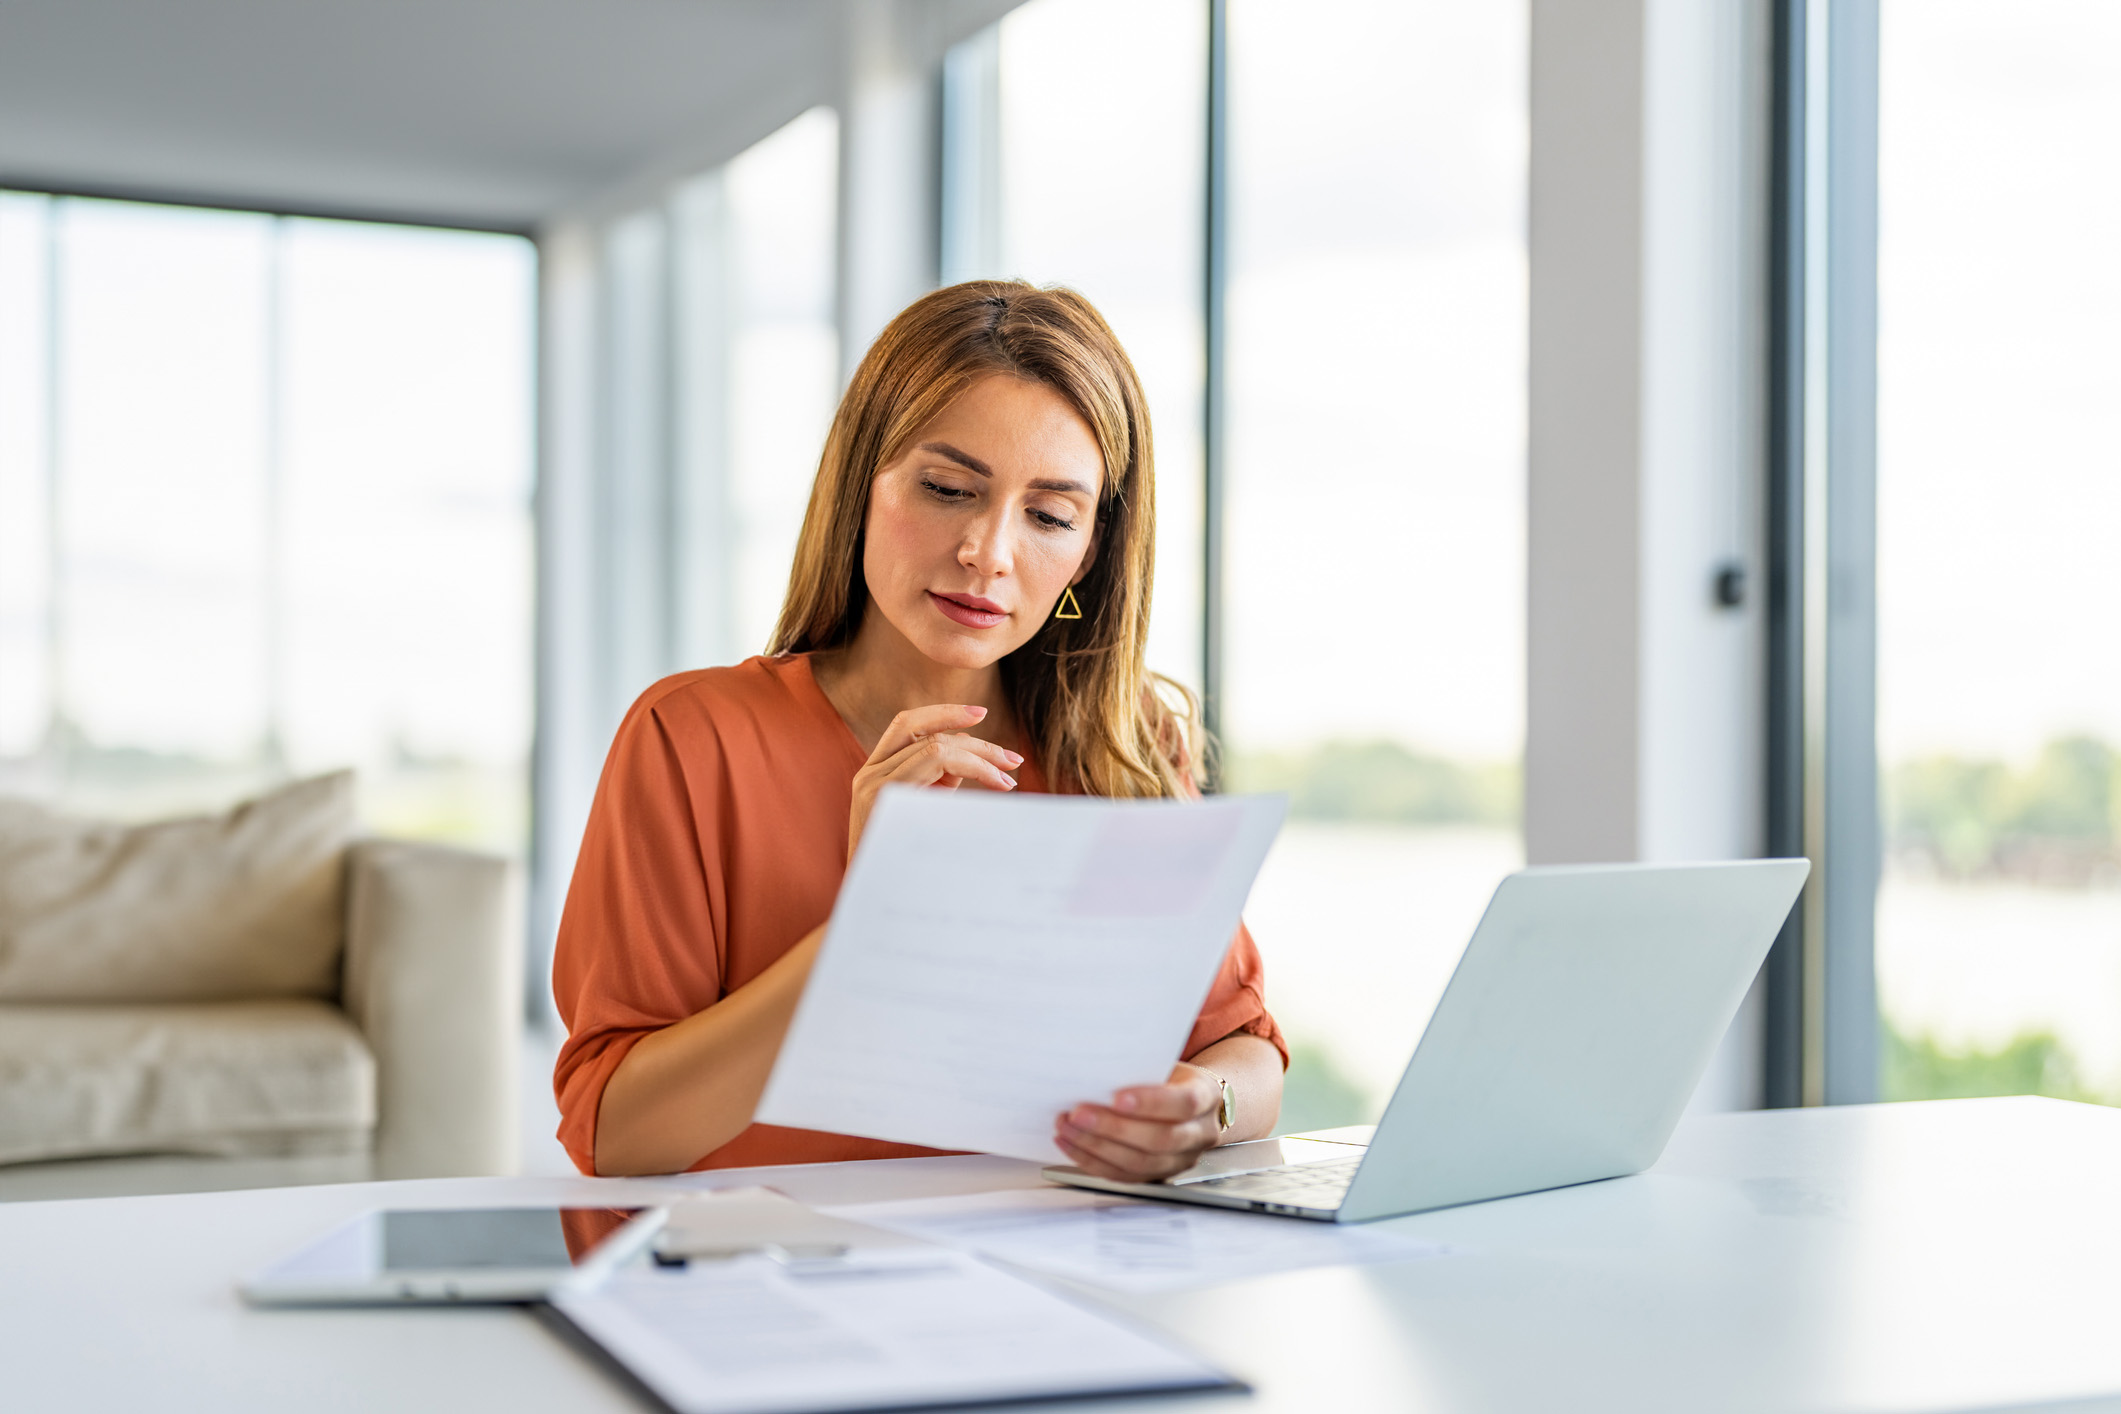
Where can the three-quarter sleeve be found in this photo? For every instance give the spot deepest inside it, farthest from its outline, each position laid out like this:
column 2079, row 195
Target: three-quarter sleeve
column 1237, row 1002
column 716, row 841
column 640, row 941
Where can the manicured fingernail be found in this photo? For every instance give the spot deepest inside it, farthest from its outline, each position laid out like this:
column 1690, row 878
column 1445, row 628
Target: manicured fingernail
column 1014, row 759
column 977, row 712
column 1011, row 780
column 1126, row 1100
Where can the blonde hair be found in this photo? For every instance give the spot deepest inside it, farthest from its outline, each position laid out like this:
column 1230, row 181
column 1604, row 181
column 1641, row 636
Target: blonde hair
column 1101, row 722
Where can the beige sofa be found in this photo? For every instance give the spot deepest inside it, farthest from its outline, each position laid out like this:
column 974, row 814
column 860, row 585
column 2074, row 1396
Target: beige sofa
column 251, row 999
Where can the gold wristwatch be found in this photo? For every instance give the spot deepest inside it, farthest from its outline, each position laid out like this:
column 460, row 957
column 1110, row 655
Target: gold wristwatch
column 1227, row 1115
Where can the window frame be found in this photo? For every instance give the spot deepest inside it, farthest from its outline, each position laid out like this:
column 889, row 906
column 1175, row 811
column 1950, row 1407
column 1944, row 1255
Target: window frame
column 1821, row 1043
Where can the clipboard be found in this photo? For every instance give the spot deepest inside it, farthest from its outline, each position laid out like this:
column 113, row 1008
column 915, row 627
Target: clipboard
column 756, row 1304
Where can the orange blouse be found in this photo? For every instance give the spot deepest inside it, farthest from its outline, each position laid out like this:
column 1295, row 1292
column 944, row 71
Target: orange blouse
column 716, row 842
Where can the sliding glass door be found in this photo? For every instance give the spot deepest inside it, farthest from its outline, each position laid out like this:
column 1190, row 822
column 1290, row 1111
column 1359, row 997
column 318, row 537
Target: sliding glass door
column 1999, row 547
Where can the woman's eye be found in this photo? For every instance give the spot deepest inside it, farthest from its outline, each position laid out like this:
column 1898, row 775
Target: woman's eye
column 1052, row 522
column 942, row 492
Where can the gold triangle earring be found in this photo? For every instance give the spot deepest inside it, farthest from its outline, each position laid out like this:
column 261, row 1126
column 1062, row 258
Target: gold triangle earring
column 1068, row 608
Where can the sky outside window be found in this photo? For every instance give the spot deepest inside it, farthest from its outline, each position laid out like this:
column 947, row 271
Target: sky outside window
column 1376, row 531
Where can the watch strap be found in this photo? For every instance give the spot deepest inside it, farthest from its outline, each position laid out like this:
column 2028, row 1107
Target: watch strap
column 1227, row 1114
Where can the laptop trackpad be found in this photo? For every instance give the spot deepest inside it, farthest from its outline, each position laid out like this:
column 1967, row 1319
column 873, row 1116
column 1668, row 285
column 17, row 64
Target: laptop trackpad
column 1262, row 1154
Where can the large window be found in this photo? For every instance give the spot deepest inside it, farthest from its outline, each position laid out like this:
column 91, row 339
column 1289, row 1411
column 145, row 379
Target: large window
column 264, row 510
column 1096, row 136
column 1999, row 509
column 783, row 354
column 1374, row 437
column 1376, row 424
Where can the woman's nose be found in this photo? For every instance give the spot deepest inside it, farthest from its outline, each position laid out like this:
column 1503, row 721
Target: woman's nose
column 986, row 548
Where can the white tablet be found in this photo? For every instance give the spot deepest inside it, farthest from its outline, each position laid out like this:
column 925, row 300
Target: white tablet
column 456, row 1254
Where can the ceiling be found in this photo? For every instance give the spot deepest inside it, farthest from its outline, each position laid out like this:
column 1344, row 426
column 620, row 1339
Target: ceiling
column 490, row 113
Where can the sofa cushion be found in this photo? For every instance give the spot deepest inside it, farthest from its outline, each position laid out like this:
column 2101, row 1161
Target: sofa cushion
column 244, row 904
column 229, row 1078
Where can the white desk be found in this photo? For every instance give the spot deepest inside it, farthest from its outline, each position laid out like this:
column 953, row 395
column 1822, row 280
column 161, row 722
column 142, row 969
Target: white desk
column 1956, row 1255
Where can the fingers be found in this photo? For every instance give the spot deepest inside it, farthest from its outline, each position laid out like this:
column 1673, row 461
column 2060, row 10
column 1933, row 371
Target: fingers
column 911, row 726
column 1171, row 1151
column 1192, row 1132
column 1189, row 1095
column 934, row 760
column 1149, row 1132
column 1127, row 1170
column 928, row 746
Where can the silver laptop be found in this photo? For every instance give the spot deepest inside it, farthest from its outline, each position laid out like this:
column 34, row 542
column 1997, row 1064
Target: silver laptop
column 1565, row 1048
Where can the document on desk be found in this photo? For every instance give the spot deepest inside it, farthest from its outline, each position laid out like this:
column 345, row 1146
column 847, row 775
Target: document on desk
column 898, row 1329
column 1130, row 1245
column 993, row 960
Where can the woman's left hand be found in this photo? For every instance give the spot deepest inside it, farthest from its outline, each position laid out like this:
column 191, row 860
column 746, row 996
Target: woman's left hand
column 1148, row 1132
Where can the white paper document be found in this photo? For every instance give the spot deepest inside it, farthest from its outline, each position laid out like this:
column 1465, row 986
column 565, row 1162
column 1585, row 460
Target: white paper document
column 889, row 1330
column 994, row 960
column 1130, row 1245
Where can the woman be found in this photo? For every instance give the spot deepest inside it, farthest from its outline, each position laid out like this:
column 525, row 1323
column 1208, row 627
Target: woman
column 968, row 608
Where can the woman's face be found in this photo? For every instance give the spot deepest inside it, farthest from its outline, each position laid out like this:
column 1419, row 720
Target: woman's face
column 987, row 516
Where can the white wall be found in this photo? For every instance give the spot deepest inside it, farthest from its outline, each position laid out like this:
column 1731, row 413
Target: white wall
column 1646, row 461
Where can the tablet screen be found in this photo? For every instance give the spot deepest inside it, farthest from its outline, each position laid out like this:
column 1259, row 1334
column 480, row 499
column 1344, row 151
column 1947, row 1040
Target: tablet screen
column 473, row 1239
column 452, row 1254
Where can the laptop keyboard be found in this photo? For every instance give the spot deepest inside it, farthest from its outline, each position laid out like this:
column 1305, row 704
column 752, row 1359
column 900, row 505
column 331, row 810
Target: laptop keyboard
column 1296, row 1186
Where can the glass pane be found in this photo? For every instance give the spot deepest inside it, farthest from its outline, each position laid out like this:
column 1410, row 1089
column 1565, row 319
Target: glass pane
column 1376, row 506
column 1999, row 686
column 162, row 354
column 1102, row 160
column 784, row 352
column 292, row 474
column 405, row 548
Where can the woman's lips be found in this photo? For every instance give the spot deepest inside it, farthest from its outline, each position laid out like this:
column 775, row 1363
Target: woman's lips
column 969, row 609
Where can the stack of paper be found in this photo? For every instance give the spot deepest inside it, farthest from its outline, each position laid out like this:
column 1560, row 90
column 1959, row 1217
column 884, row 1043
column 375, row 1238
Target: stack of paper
column 1128, row 1245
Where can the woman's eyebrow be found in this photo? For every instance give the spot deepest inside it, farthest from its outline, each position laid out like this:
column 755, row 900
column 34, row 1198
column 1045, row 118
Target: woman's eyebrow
column 974, row 464
column 963, row 459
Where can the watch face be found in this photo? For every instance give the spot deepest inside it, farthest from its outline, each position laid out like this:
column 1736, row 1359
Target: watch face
column 1229, row 1109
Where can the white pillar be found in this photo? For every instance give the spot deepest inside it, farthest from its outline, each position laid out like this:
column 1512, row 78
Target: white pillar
column 1584, row 444
column 703, row 576
column 568, row 752
column 970, row 237
column 635, row 528
column 1645, row 707
column 889, row 149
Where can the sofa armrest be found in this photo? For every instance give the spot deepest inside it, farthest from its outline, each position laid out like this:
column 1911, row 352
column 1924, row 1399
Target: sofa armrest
column 433, row 977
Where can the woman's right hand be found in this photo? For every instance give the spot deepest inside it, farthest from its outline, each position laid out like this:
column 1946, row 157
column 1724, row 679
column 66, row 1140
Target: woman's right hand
column 928, row 746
